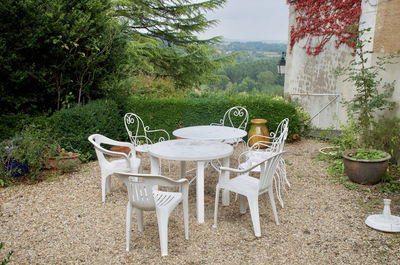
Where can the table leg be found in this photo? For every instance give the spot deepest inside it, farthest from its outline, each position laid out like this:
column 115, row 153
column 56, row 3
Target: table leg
column 183, row 169
column 225, row 177
column 200, row 191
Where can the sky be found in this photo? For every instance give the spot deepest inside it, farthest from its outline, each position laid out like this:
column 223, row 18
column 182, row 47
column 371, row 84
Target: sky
column 251, row 20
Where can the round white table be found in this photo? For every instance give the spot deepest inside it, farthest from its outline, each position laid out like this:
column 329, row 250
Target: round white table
column 191, row 150
column 208, row 132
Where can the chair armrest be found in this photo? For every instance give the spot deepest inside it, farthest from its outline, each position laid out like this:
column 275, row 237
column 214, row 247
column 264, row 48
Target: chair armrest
column 160, row 130
column 221, row 123
column 245, row 170
column 111, row 153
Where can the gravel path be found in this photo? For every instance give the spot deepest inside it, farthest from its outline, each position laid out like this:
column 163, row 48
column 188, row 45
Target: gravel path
column 63, row 221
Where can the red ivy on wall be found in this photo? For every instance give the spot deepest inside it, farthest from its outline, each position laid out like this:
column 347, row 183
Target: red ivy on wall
column 320, row 20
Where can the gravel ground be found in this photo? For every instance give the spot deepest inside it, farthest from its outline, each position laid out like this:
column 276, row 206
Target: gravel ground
column 63, row 221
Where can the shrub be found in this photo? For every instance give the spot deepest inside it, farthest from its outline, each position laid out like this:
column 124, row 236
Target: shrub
column 28, row 150
column 385, row 135
column 11, row 123
column 73, row 126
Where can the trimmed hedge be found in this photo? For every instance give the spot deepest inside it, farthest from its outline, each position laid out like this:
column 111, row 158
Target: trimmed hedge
column 73, row 126
column 167, row 113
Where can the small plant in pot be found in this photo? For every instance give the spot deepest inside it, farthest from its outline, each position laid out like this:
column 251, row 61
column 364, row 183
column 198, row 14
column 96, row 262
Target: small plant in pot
column 64, row 160
column 26, row 153
column 362, row 163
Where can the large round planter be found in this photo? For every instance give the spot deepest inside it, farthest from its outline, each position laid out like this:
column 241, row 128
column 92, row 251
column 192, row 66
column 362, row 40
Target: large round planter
column 258, row 127
column 364, row 171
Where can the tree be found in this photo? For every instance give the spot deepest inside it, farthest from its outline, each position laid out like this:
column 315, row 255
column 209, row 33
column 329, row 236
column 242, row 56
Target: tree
column 164, row 41
column 266, row 78
column 51, row 48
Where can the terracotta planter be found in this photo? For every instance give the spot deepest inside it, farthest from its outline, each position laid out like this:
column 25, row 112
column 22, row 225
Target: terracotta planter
column 364, row 171
column 65, row 162
column 258, row 127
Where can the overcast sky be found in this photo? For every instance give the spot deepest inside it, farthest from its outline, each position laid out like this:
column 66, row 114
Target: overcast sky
column 251, row 20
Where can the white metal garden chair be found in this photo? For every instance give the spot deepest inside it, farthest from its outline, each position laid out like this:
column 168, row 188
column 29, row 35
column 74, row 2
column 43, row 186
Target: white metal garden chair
column 236, row 117
column 144, row 195
column 129, row 162
column 250, row 187
column 265, row 147
column 138, row 133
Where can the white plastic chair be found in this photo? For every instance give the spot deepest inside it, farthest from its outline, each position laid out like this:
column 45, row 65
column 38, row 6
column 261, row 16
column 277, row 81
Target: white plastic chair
column 137, row 132
column 144, row 195
column 265, row 147
column 129, row 162
column 249, row 187
column 236, row 117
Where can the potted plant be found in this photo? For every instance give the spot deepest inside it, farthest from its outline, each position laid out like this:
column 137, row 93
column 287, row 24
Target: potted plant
column 27, row 152
column 363, row 164
column 64, row 160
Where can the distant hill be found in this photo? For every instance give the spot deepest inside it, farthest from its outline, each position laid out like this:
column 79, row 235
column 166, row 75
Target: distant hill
column 274, row 47
column 253, row 50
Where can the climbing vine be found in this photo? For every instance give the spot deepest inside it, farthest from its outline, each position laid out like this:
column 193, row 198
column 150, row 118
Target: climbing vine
column 320, row 20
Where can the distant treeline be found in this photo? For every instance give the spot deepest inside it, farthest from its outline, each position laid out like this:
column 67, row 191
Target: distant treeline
column 255, row 69
column 255, row 46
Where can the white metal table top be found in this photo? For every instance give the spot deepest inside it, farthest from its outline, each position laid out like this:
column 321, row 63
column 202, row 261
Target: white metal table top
column 208, row 132
column 190, row 150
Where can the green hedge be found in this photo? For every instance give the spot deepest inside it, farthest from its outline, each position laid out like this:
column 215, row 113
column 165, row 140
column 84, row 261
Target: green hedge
column 73, row 126
column 167, row 113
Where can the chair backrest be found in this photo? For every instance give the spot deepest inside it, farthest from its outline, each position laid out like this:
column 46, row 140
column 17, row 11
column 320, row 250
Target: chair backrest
column 97, row 140
column 268, row 169
column 136, row 130
column 141, row 186
column 278, row 139
column 236, row 117
column 282, row 129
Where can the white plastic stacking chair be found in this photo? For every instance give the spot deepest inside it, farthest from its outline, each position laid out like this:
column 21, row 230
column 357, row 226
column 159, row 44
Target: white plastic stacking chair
column 236, row 117
column 249, row 187
column 129, row 162
column 144, row 195
column 265, row 147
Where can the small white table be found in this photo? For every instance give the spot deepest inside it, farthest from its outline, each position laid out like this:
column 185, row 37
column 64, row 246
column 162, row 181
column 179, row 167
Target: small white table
column 191, row 150
column 208, row 132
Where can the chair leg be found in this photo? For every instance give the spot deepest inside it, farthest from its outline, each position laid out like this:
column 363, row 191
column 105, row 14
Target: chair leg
column 185, row 204
column 271, row 198
column 216, row 206
column 243, row 204
column 139, row 217
column 255, row 217
column 162, row 219
column 104, row 188
column 282, row 166
column 128, row 224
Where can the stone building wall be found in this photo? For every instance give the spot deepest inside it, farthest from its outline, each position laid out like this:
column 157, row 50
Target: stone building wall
column 311, row 80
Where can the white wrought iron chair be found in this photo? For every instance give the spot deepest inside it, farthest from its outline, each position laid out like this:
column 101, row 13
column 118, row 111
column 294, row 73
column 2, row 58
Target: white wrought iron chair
column 144, row 195
column 265, row 147
column 138, row 133
column 129, row 162
column 236, row 117
column 250, row 187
